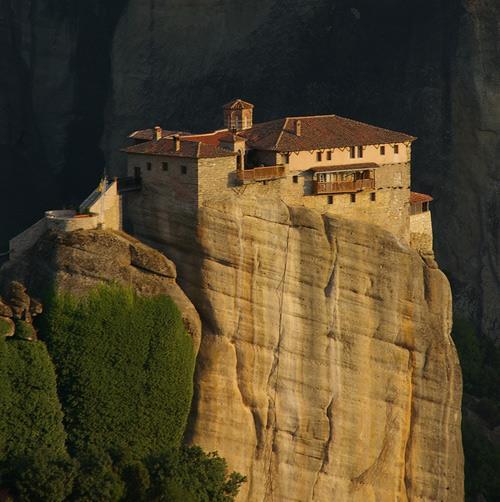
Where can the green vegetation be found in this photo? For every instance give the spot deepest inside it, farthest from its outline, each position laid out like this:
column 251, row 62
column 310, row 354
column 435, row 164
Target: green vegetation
column 31, row 422
column 25, row 331
column 191, row 475
column 4, row 327
column 124, row 367
column 31, row 416
column 480, row 362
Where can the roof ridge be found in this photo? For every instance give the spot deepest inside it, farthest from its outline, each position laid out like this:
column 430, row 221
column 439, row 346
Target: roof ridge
column 217, row 131
column 276, row 143
column 313, row 116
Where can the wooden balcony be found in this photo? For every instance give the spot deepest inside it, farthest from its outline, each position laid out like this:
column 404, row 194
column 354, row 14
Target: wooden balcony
column 324, row 187
column 129, row 184
column 261, row 173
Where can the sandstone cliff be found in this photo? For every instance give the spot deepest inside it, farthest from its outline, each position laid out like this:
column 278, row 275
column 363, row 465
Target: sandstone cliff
column 79, row 261
column 76, row 78
column 326, row 369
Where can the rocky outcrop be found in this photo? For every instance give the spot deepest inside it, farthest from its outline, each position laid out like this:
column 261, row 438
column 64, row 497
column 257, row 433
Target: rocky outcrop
column 326, row 369
column 78, row 261
column 74, row 81
column 20, row 308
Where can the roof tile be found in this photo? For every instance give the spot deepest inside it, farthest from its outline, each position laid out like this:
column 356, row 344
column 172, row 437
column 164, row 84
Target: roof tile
column 317, row 132
column 190, row 149
column 416, row 197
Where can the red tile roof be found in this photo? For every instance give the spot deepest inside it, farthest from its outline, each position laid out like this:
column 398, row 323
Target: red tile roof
column 238, row 104
column 209, row 138
column 416, row 197
column 149, row 134
column 190, row 149
column 344, row 167
column 322, row 131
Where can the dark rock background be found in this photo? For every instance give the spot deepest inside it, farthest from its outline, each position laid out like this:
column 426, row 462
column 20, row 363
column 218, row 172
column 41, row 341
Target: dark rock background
column 77, row 75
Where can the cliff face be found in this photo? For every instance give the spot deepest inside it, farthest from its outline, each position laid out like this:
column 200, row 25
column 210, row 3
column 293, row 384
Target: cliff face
column 326, row 368
column 78, row 76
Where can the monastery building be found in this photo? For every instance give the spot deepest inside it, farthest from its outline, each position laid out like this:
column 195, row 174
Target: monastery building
column 329, row 163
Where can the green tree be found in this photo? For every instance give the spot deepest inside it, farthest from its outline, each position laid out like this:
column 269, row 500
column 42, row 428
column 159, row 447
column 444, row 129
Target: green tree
column 125, row 368
column 191, row 475
column 42, row 477
column 33, row 459
column 30, row 413
column 97, row 478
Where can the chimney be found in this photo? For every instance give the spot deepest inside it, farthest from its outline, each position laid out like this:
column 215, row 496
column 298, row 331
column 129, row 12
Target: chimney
column 158, row 133
column 298, row 127
column 177, row 142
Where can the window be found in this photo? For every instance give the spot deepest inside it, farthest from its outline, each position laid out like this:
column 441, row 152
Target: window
column 286, row 158
column 396, row 149
column 184, row 169
column 319, row 156
column 382, row 150
column 328, row 155
column 373, row 196
column 148, row 166
column 137, row 171
column 330, row 199
column 352, row 152
column 360, row 151
column 164, row 166
column 353, row 197
column 425, row 207
column 295, row 179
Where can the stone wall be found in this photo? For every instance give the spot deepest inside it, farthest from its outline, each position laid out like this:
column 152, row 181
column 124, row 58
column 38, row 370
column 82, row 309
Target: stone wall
column 69, row 221
column 390, row 209
column 165, row 210
column 421, row 237
column 60, row 220
column 26, row 240
column 176, row 190
column 341, row 156
column 216, row 177
column 112, row 217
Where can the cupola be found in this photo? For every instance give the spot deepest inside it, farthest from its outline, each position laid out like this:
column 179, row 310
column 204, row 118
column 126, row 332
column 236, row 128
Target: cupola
column 238, row 115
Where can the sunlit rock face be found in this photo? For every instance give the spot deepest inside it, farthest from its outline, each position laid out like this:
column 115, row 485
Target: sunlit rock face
column 326, row 369
column 77, row 77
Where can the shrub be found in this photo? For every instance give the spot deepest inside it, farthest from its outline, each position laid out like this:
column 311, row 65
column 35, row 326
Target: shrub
column 125, row 367
column 30, row 412
column 25, row 331
column 34, row 463
column 5, row 327
column 190, row 474
column 43, row 477
column 97, row 479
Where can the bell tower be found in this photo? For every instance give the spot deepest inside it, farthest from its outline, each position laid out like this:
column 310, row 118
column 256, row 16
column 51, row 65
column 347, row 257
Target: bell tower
column 238, row 115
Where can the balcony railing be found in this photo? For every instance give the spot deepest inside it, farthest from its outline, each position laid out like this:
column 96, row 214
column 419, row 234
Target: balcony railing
column 322, row 187
column 261, row 173
column 129, row 184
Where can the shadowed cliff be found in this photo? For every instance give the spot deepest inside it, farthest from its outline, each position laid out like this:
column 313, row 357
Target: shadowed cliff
column 79, row 76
